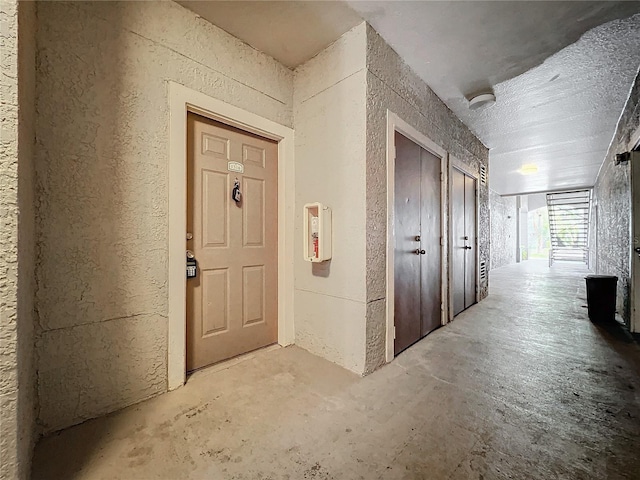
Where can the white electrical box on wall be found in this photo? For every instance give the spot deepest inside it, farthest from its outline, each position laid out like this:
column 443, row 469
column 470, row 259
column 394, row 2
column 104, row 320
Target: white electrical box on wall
column 317, row 232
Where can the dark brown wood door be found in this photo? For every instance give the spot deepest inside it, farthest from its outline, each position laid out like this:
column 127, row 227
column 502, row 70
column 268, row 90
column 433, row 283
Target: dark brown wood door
column 417, row 260
column 430, row 233
column 463, row 255
column 470, row 234
column 407, row 310
column 458, row 251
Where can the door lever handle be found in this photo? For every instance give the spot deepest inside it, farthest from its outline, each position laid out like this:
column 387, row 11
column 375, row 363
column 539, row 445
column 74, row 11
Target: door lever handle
column 419, row 252
column 467, row 247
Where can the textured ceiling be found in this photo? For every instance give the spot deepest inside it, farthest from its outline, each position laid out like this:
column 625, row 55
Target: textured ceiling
column 561, row 115
column 561, row 71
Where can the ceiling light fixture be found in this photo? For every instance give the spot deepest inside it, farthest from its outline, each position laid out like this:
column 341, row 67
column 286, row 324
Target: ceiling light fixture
column 528, row 169
column 480, row 100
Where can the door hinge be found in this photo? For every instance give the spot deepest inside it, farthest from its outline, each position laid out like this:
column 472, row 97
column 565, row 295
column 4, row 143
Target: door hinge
column 394, row 332
column 395, row 152
column 442, row 241
column 442, row 176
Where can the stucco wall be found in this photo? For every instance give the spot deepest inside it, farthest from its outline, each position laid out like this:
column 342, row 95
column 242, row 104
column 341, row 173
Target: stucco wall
column 392, row 85
column 504, row 229
column 612, row 192
column 17, row 375
column 102, row 162
column 341, row 101
column 330, row 94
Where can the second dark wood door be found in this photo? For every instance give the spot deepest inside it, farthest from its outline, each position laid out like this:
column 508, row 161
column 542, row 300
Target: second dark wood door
column 463, row 252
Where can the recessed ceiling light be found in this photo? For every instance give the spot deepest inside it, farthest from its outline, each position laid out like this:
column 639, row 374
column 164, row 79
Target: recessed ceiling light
column 528, row 169
column 480, row 100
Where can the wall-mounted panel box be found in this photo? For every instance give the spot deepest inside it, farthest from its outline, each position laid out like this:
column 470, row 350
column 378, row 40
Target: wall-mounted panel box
column 317, row 232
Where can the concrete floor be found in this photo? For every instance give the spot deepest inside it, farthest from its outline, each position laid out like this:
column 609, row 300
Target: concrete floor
column 521, row 386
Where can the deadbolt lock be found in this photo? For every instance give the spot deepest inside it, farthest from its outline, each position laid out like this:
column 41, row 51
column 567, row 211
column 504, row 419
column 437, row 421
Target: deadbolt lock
column 189, row 235
column 417, row 238
column 192, row 265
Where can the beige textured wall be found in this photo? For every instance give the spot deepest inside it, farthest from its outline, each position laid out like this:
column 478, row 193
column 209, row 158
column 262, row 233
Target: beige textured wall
column 330, row 123
column 17, row 377
column 504, row 229
column 610, row 238
column 341, row 101
column 102, row 160
column 392, row 85
column 101, row 164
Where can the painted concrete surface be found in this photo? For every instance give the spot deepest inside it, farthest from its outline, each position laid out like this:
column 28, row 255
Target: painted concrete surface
column 102, row 163
column 612, row 192
column 329, row 93
column 520, row 386
column 17, row 376
column 330, row 130
column 504, row 226
column 303, row 28
column 9, row 375
column 27, row 316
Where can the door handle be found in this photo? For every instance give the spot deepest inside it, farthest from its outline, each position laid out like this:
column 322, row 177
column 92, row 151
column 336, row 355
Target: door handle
column 417, row 251
column 467, row 247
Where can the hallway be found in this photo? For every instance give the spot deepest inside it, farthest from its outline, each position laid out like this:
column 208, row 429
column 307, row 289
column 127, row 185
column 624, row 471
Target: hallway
column 519, row 386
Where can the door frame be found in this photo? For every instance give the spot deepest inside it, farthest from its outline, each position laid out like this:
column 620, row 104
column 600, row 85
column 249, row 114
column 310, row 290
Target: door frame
column 634, row 293
column 182, row 100
column 475, row 174
column 396, row 124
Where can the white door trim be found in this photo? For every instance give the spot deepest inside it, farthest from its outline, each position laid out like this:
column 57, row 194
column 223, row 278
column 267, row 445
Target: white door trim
column 475, row 174
column 396, row 124
column 634, row 272
column 634, row 288
column 182, row 100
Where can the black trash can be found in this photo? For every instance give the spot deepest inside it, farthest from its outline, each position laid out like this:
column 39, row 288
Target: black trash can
column 601, row 297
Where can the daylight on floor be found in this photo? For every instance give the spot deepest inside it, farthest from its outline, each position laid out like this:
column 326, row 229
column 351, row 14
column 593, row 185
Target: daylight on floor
column 308, row 239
